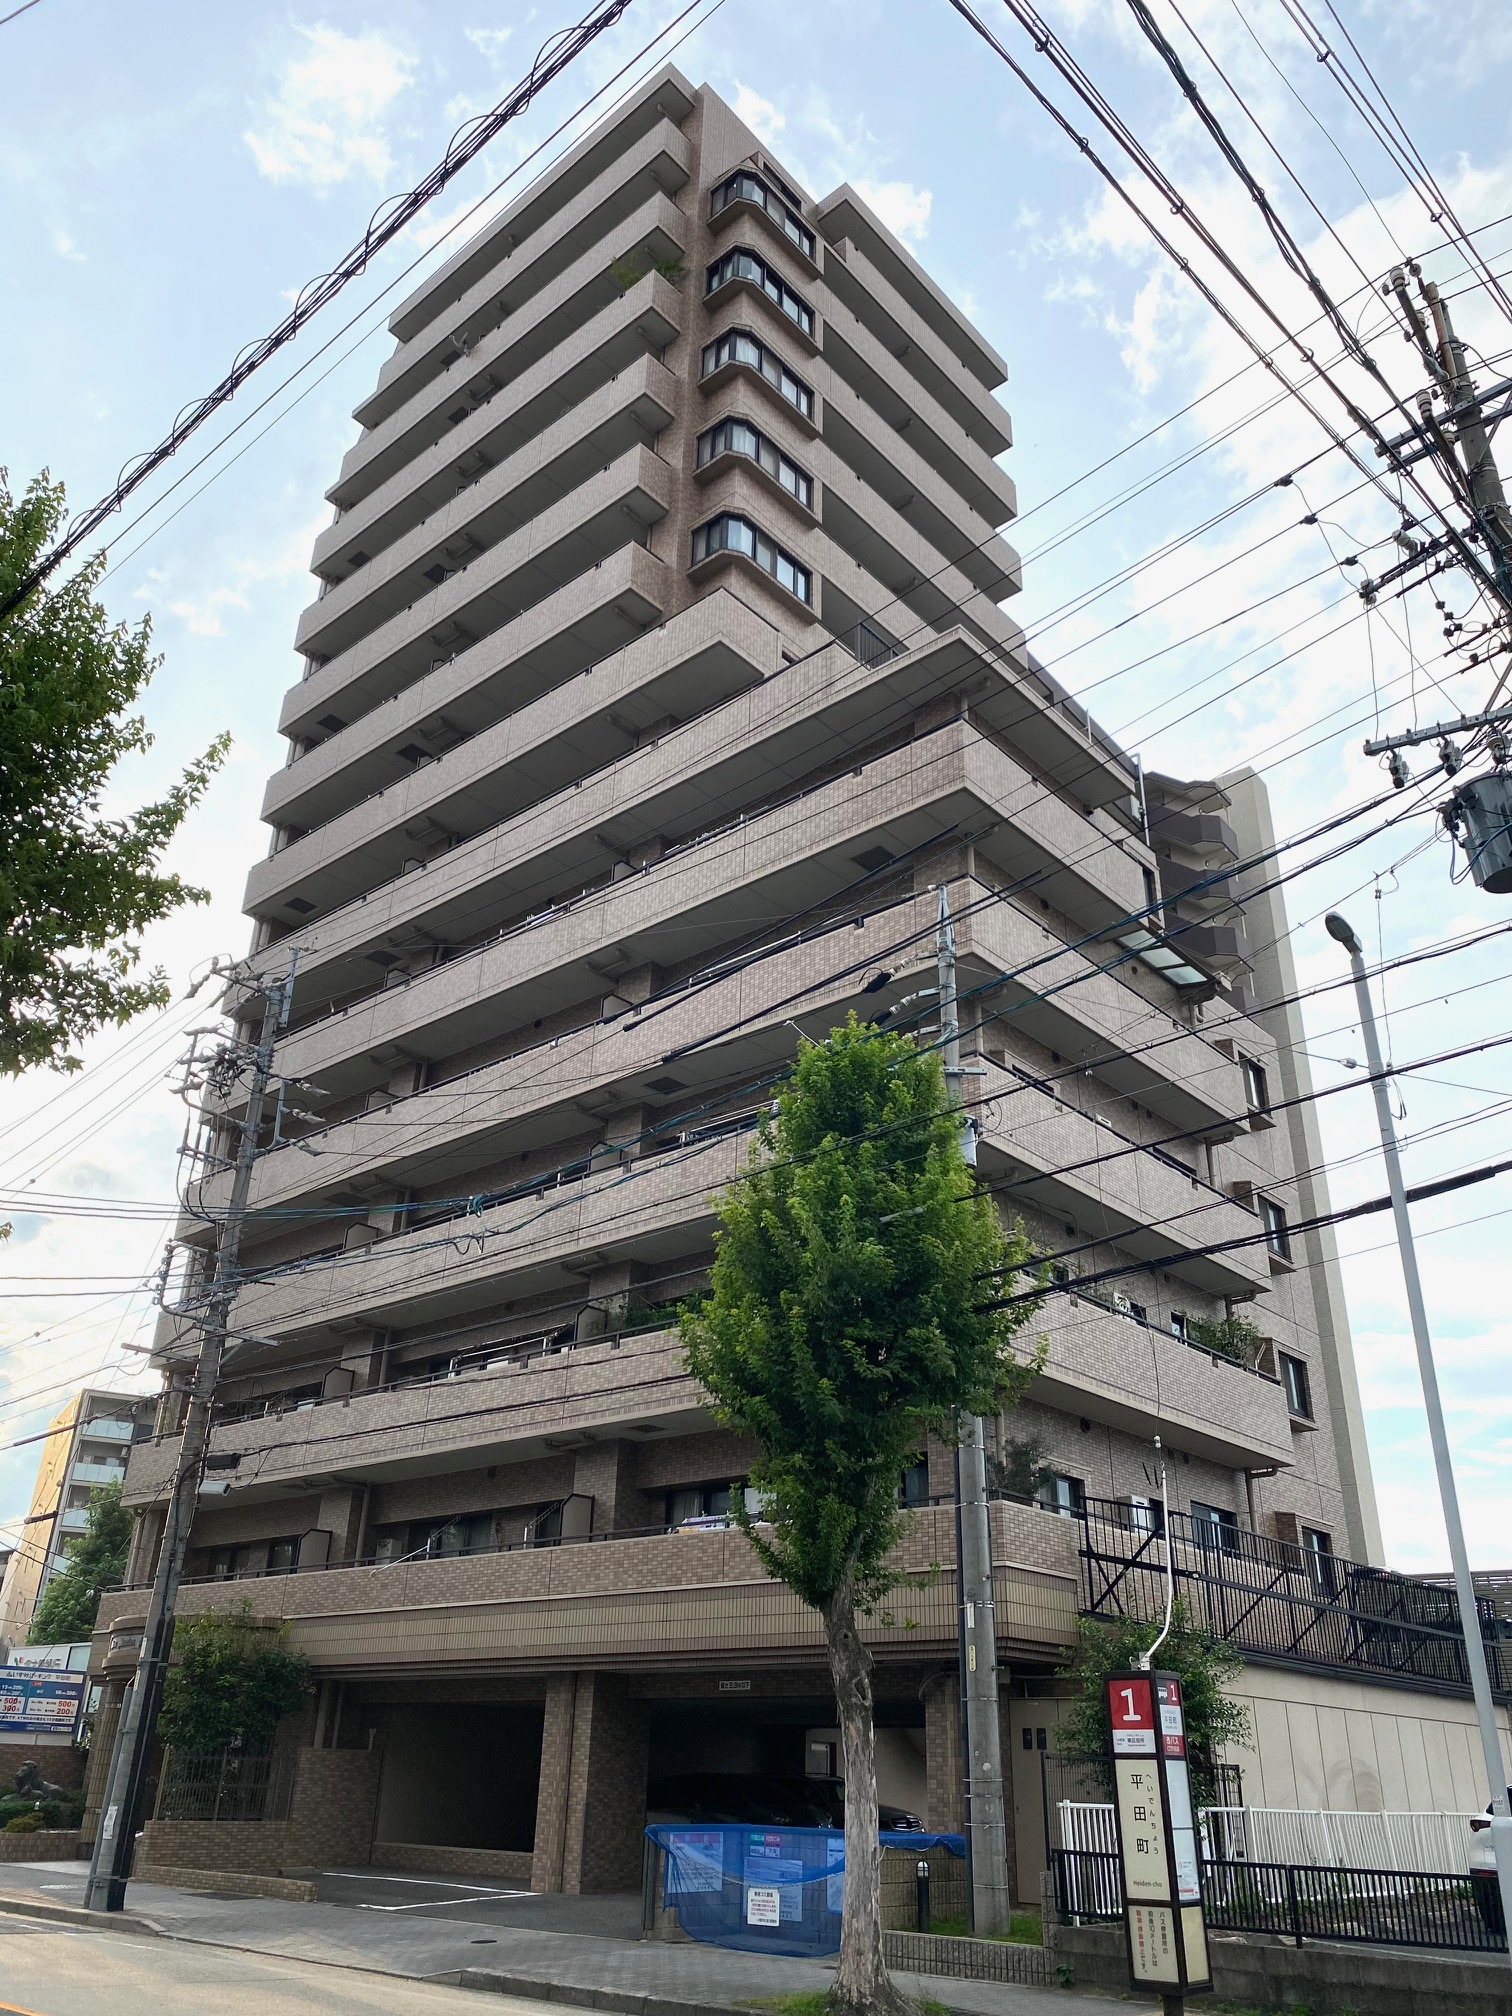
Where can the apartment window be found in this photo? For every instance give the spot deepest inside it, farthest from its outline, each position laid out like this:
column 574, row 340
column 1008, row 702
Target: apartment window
column 283, row 1555
column 744, row 187
column 697, row 1502
column 741, row 263
column 1294, row 1378
column 913, row 1485
column 739, row 437
column 1256, row 1087
column 1215, row 1526
column 1277, row 1238
column 739, row 346
column 1318, row 1553
column 1066, row 1495
column 223, row 1564
column 1178, row 1322
column 730, row 534
column 470, row 1533
column 1145, row 1515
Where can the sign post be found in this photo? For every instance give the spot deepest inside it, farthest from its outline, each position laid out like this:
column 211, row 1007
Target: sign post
column 1157, row 1838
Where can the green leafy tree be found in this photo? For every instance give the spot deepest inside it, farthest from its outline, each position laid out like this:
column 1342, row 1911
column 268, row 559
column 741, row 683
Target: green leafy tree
column 1204, row 1665
column 232, row 1682
column 1230, row 1336
column 97, row 1560
column 74, row 885
column 845, row 1324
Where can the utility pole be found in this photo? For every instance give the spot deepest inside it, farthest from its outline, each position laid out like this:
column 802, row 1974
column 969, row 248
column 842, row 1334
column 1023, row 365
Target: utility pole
column 110, row 1864
column 1475, row 1650
column 986, row 1811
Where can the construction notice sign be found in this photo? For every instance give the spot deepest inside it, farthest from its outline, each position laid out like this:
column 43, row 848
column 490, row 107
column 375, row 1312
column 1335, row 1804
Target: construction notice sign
column 1157, row 1834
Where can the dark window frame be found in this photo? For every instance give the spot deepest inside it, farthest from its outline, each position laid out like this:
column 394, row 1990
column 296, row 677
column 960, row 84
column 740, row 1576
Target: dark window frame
column 1063, row 1494
column 740, row 262
column 733, row 189
column 1296, row 1383
column 1277, row 1227
column 1256, row 1084
column 767, row 454
column 1215, row 1526
column 715, row 536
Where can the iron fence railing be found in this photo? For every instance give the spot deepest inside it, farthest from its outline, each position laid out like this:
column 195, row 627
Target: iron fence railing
column 225, row 1785
column 1275, row 1600
column 1378, row 1907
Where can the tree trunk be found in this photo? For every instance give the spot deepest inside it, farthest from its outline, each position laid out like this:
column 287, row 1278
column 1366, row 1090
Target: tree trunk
column 863, row 1986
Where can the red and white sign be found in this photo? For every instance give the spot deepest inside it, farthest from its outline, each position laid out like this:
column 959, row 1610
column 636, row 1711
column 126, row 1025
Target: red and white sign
column 1131, row 1715
column 1172, row 1726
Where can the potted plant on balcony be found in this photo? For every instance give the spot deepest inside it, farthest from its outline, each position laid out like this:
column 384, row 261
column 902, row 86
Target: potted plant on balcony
column 844, row 1326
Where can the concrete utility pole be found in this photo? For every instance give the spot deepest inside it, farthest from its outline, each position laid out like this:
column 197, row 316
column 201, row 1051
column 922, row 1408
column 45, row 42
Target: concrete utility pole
column 120, row 1808
column 986, row 1811
column 1475, row 1650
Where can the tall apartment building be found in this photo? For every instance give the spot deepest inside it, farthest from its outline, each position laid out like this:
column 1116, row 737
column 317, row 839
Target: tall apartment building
column 656, row 678
column 87, row 1445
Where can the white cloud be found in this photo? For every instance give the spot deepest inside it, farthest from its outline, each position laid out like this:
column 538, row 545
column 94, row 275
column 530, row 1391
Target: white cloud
column 326, row 121
column 759, row 113
column 902, row 208
column 65, row 248
column 490, row 41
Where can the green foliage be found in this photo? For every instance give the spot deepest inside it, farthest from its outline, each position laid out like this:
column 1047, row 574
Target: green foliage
column 232, row 1682
column 1230, row 1336
column 1214, row 1723
column 19, row 1815
column 845, row 1319
column 1025, row 1928
column 74, row 885
column 634, row 266
column 96, row 1561
column 1020, row 1471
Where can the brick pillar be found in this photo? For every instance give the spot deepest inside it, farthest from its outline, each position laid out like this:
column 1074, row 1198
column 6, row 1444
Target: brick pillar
column 101, row 1743
column 606, row 1474
column 591, row 1808
column 942, row 1752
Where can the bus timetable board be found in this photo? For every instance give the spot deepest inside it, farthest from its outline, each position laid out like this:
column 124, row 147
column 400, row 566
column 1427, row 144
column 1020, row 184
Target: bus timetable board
column 1157, row 1834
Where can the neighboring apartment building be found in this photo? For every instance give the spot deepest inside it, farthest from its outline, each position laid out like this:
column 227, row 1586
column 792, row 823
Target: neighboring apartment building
column 87, row 1445
column 656, row 678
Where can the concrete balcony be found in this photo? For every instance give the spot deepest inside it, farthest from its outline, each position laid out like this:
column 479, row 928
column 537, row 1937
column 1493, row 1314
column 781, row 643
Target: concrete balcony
column 585, row 624
column 924, row 357
column 536, row 1098
column 636, row 1601
column 844, row 216
column 657, row 164
column 658, row 230
column 755, row 748
column 1095, row 1176
column 784, row 862
column 625, row 414
column 664, row 97
column 1133, row 1377
column 511, row 1411
column 643, row 320
column 613, row 509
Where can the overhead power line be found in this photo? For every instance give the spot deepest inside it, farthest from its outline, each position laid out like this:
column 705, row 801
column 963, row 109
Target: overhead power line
column 388, row 220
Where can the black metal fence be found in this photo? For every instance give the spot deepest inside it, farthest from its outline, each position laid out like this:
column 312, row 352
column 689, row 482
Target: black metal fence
column 1270, row 1598
column 225, row 1785
column 1378, row 1907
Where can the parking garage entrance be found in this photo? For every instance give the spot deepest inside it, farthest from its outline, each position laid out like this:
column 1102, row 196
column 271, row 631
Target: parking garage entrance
column 458, row 1775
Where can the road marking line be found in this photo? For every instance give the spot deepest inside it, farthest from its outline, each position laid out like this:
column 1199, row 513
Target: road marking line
column 424, row 1882
column 431, row 1903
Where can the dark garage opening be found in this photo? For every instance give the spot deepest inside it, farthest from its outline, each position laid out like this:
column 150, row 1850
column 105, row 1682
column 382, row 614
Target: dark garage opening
column 464, row 1776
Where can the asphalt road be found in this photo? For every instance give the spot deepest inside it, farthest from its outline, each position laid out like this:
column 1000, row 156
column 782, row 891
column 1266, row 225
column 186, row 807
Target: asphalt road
column 45, row 1971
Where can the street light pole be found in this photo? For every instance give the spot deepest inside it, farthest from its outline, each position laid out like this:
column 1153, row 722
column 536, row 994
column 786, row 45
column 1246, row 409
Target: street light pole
column 1464, row 1589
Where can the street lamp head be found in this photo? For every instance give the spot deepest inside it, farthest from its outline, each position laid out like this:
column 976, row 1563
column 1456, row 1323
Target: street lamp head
column 1340, row 928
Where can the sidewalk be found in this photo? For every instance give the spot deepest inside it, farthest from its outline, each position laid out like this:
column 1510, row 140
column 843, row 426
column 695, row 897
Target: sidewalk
column 642, row 1978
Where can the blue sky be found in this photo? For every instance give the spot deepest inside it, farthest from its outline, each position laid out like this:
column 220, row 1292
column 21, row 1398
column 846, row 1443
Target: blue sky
column 171, row 175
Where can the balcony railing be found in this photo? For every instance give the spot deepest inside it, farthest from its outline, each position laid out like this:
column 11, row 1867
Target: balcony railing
column 1273, row 1600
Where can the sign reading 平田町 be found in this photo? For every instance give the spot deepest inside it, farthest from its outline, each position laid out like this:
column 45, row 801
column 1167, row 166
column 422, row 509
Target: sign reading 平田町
column 1157, row 1835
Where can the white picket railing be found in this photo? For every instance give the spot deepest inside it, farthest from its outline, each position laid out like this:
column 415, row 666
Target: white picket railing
column 1315, row 1837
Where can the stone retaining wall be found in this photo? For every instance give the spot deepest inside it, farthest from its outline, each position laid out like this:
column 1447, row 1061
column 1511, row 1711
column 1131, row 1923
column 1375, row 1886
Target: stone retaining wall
column 47, row 1844
column 227, row 1882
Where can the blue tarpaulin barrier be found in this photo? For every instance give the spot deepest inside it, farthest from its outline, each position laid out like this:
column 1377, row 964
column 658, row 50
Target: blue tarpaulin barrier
column 765, row 1889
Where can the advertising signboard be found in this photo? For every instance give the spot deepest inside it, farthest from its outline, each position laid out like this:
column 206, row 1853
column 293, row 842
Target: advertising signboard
column 36, row 1702
column 1157, row 1835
